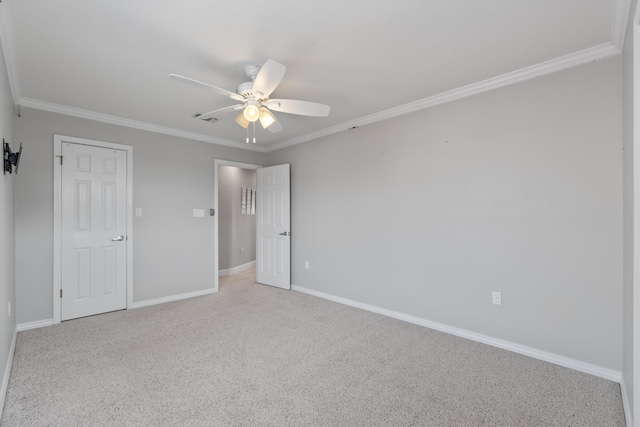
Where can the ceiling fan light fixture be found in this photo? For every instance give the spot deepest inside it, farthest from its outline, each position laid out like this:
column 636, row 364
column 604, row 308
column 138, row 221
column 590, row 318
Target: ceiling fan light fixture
column 266, row 117
column 240, row 119
column 251, row 111
column 253, row 97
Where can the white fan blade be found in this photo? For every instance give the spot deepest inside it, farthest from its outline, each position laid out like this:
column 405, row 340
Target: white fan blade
column 268, row 78
column 210, row 114
column 302, row 108
column 199, row 84
column 275, row 127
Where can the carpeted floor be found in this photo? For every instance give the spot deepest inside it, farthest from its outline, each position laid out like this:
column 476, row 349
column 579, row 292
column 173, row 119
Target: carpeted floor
column 254, row 355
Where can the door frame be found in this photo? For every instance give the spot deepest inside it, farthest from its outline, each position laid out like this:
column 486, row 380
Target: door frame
column 57, row 216
column 635, row 386
column 216, row 164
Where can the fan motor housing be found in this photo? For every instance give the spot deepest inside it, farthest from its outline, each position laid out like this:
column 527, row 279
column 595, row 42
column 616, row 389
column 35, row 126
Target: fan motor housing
column 244, row 89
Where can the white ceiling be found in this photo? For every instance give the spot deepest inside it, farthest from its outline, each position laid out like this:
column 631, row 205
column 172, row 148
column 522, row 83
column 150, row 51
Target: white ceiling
column 368, row 59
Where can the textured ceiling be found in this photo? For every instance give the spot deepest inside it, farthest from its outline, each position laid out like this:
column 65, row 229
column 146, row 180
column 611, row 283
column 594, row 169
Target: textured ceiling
column 109, row 60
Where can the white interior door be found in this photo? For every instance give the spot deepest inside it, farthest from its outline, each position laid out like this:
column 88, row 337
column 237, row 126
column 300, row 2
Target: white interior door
column 273, row 240
column 93, row 230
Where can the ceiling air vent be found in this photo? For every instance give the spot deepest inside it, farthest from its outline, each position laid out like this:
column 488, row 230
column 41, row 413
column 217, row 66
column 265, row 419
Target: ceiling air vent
column 210, row 119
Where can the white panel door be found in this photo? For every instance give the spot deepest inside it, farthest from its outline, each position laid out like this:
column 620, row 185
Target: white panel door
column 273, row 241
column 93, row 230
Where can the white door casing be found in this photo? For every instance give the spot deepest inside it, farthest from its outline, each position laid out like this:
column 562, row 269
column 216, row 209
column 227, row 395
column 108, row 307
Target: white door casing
column 635, row 385
column 273, row 229
column 92, row 252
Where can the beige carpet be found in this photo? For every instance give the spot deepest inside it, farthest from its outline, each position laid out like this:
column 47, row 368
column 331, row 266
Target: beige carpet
column 259, row 356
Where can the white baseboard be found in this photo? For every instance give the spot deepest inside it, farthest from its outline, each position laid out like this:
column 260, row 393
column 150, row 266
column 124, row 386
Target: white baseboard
column 7, row 371
column 626, row 403
column 171, row 298
column 236, row 270
column 34, row 325
column 577, row 365
column 49, row 322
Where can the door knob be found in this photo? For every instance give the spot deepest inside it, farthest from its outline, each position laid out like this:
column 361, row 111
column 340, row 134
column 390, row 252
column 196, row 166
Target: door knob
column 286, row 233
column 118, row 239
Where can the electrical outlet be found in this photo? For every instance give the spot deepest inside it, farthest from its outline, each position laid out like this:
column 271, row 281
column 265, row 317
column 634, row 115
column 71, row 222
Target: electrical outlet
column 496, row 298
column 241, row 251
column 306, row 265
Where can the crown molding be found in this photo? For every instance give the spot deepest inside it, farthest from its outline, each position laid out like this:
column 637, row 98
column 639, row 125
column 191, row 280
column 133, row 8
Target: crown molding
column 9, row 50
column 562, row 63
column 621, row 10
column 568, row 61
column 114, row 120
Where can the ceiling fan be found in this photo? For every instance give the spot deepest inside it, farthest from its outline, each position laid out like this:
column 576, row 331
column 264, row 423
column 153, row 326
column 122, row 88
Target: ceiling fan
column 254, row 100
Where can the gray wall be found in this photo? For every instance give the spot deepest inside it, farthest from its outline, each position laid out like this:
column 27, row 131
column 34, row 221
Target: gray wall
column 7, row 218
column 517, row 190
column 629, row 188
column 236, row 232
column 173, row 252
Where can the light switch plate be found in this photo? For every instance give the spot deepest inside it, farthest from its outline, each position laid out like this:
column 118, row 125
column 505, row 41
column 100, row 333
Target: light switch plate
column 138, row 211
column 198, row 213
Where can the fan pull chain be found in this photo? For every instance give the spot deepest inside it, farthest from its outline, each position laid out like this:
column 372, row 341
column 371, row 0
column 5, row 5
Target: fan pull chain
column 254, row 132
column 247, row 134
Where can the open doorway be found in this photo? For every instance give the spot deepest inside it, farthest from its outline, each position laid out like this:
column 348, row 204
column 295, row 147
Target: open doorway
column 235, row 232
column 236, row 220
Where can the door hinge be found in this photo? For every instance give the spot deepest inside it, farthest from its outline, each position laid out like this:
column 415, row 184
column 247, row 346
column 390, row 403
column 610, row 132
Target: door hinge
column 60, row 159
column 60, row 293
